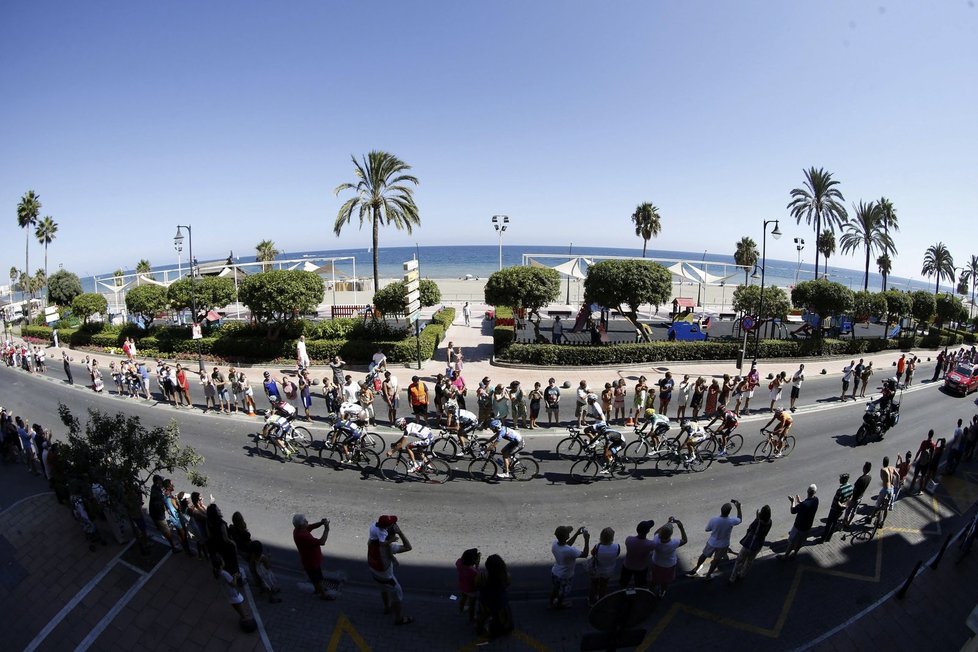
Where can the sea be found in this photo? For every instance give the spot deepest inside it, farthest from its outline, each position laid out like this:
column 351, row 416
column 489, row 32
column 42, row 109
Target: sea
column 479, row 261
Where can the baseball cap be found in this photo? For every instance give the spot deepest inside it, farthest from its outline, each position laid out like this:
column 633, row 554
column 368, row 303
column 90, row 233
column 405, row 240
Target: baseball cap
column 386, row 521
column 645, row 526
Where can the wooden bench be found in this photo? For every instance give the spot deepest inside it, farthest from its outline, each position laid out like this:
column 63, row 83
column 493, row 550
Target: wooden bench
column 727, row 316
column 347, row 311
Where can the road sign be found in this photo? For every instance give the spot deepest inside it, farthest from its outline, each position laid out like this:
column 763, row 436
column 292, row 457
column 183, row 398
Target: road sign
column 51, row 317
column 411, row 306
column 747, row 323
column 413, row 317
column 410, row 265
column 414, row 295
column 51, row 310
column 413, row 275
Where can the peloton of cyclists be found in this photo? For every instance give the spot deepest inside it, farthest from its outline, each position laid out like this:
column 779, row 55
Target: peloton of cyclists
column 781, row 430
column 728, row 423
column 513, row 443
column 422, row 439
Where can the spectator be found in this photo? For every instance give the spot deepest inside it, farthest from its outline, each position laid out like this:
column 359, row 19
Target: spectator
column 922, row 460
column 337, row 366
column 752, row 543
column 466, row 314
column 264, row 577
column 935, row 463
column 601, row 566
column 664, row 557
column 955, row 449
column 839, row 502
column 67, row 360
column 219, row 541
column 665, row 394
column 858, row 490
column 380, row 557
column 557, row 335
column 565, row 558
column 580, row 403
column 301, row 356
column 467, row 571
column 310, row 552
column 495, row 616
column 635, row 566
column 847, row 372
column 857, row 377
column 229, row 584
column 551, row 396
column 536, row 397
column 272, row 392
column 388, row 390
column 182, row 387
column 796, row 380
column 720, row 527
column 866, row 375
column 157, row 512
column 753, row 380
column 682, row 399
column 248, row 394
column 418, row 398
column 804, row 511
column 903, row 470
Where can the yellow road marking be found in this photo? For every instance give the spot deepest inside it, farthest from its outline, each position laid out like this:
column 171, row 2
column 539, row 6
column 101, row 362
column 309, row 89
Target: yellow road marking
column 344, row 626
column 518, row 634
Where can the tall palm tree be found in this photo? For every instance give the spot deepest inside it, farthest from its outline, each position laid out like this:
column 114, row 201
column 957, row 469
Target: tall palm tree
column 826, row 246
column 648, row 223
column 13, row 281
column 865, row 231
column 143, row 267
column 45, row 233
column 890, row 223
column 27, row 211
column 746, row 255
column 383, row 196
column 265, row 253
column 819, row 202
column 969, row 276
column 938, row 261
column 885, row 264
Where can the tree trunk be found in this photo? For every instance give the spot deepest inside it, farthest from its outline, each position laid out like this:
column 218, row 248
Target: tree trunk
column 45, row 265
column 818, row 231
column 645, row 244
column 376, row 237
column 866, row 277
column 27, row 255
column 632, row 317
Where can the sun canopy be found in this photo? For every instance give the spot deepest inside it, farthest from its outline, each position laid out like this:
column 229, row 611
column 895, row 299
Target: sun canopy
column 575, row 267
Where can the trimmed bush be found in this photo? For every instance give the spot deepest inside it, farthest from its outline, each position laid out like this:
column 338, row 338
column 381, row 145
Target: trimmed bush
column 502, row 336
column 39, row 332
column 445, row 317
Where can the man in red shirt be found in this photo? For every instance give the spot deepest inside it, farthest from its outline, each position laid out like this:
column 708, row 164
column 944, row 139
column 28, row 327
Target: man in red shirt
column 310, row 551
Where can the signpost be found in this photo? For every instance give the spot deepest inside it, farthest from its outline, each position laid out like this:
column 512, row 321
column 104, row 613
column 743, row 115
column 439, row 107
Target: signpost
column 51, row 314
column 412, row 301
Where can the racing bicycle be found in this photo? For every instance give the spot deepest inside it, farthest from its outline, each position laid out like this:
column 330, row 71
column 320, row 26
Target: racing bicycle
column 768, row 449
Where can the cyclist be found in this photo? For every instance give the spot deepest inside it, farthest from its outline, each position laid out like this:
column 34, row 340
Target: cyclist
column 513, row 439
column 613, row 441
column 694, row 435
column 728, row 423
column 781, row 430
column 422, row 439
column 351, row 421
column 465, row 422
column 278, row 421
column 658, row 422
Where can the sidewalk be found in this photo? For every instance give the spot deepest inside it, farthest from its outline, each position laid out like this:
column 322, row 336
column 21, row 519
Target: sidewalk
column 58, row 595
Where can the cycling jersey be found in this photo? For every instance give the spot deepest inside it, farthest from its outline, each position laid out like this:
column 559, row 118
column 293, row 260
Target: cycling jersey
column 509, row 435
column 350, row 411
column 467, row 422
column 730, row 419
column 285, row 410
column 276, row 420
column 421, row 433
column 784, row 419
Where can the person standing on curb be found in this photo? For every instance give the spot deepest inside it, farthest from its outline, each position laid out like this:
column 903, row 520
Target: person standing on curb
column 301, row 356
column 665, row 393
column 752, row 543
column 846, row 379
column 955, row 449
column 67, row 360
column 804, row 511
column 867, row 374
column 858, row 490
column 635, row 566
column 753, row 380
column 857, row 376
column 382, row 545
column 551, row 396
column 925, row 452
column 839, row 502
column 796, row 380
column 580, row 404
column 310, row 552
column 664, row 558
column 565, row 560
column 720, row 527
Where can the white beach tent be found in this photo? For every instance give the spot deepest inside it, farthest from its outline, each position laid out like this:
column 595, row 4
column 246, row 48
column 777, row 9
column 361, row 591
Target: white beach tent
column 576, row 267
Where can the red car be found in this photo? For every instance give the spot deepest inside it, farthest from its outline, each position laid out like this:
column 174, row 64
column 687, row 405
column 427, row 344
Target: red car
column 962, row 380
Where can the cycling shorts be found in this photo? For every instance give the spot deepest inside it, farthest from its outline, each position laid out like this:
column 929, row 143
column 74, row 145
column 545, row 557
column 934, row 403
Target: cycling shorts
column 511, row 447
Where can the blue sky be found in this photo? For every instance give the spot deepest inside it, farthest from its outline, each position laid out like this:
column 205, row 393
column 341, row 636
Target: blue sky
column 240, row 118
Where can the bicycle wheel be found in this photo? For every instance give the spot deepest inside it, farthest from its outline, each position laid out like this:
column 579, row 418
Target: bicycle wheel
column 366, row 459
column 299, row 441
column 584, row 471
column 524, row 468
column 483, row 469
column 734, row 444
column 705, row 454
column 670, row 461
column 763, row 451
column 437, row 470
column 332, row 455
column 302, row 434
column 445, row 448
column 861, row 434
column 789, row 445
column 623, row 468
column 394, row 469
column 374, row 442
column 637, row 451
column 569, row 448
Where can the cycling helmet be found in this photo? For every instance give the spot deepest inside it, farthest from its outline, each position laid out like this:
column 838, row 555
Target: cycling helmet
column 451, row 405
column 592, row 397
column 778, row 411
column 649, row 412
column 495, row 424
column 401, row 423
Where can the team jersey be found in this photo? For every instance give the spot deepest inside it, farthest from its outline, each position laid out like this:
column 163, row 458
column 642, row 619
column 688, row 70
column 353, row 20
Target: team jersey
column 464, row 416
column 508, row 434
column 418, row 431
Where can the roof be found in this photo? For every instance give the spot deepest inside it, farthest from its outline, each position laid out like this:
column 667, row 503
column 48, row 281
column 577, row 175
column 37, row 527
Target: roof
column 684, row 302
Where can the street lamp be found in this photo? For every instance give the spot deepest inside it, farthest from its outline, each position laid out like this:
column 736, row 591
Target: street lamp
column 799, row 245
column 501, row 223
column 178, row 245
column 776, row 233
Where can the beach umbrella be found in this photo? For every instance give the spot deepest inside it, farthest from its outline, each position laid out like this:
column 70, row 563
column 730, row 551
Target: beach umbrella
column 575, row 267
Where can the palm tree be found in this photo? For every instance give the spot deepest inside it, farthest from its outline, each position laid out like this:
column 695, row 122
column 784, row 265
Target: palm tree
column 13, row 281
column 938, row 261
column 865, row 231
column 27, row 211
column 265, row 253
column 826, row 246
column 45, row 233
column 970, row 276
column 885, row 265
column 819, row 202
column 890, row 223
column 382, row 197
column 648, row 224
column 746, row 255
column 143, row 267
column 117, row 277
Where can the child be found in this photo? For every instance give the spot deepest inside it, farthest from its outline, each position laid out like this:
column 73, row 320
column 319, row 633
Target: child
column 264, row 577
column 467, row 567
column 230, row 588
column 536, row 396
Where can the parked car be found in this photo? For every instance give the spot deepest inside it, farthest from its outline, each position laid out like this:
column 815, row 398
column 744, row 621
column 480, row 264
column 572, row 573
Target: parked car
column 963, row 379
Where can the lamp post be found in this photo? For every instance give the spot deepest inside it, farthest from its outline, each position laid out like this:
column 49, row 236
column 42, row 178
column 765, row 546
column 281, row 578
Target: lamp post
column 178, row 244
column 501, row 223
column 776, row 233
column 799, row 245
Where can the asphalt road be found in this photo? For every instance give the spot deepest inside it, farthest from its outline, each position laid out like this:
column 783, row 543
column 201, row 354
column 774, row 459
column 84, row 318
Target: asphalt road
column 514, row 519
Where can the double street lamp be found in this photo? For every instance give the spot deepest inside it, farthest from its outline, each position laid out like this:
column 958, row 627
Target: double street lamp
column 776, row 233
column 799, row 245
column 501, row 223
column 178, row 245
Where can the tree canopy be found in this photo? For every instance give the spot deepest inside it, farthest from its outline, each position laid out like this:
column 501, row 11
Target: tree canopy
column 746, row 255
column 822, row 297
column 746, row 299
column 281, row 295
column 949, row 308
column 819, row 202
column 88, row 304
column 898, row 304
column 648, row 223
column 938, row 262
column 868, row 304
column 63, row 287
column 390, row 299
column 523, row 287
column 923, row 307
column 631, row 283
column 210, row 292
column 147, row 301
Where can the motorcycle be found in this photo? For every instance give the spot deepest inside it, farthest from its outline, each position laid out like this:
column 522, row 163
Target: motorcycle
column 877, row 422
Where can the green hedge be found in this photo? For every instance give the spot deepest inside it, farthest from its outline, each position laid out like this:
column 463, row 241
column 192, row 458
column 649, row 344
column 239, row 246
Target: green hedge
column 40, row 332
column 502, row 336
column 549, row 354
column 445, row 317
